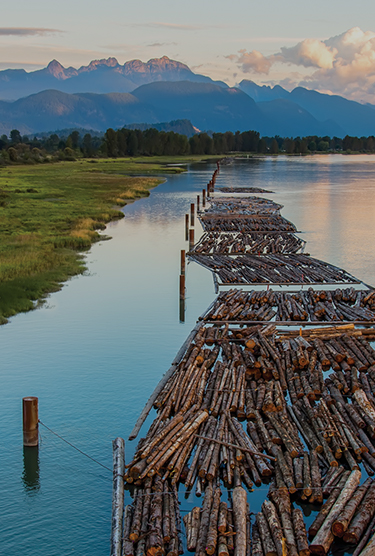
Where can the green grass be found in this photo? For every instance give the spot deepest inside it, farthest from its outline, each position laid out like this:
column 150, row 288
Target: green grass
column 49, row 213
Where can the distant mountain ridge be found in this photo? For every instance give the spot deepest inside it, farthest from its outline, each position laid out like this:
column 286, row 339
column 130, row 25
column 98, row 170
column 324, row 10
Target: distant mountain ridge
column 100, row 76
column 106, row 94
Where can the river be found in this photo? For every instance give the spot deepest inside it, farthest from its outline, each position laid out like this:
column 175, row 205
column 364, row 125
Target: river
column 95, row 350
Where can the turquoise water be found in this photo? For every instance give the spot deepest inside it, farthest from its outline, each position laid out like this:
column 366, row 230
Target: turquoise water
column 97, row 348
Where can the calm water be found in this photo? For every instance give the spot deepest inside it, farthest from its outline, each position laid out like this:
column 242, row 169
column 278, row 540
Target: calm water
column 95, row 351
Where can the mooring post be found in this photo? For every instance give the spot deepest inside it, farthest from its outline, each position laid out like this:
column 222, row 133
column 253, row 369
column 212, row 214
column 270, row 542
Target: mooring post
column 191, row 239
column 183, row 260
column 186, row 227
column 182, row 286
column 30, row 421
column 192, row 210
column 204, row 197
column 198, row 201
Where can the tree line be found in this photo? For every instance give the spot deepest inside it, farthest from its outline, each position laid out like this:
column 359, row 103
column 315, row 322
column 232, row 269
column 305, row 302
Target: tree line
column 151, row 142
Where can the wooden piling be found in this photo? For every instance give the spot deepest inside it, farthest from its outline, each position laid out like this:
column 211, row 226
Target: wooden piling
column 203, row 197
column 183, row 261
column 118, row 446
column 30, row 421
column 198, row 202
column 186, row 227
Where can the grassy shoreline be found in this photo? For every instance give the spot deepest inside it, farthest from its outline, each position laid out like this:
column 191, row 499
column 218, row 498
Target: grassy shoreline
column 50, row 213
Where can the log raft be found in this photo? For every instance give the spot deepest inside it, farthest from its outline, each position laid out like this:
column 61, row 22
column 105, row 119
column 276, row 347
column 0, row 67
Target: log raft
column 247, row 402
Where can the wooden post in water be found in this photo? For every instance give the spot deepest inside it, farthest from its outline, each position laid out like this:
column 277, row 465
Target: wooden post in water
column 192, row 210
column 30, row 421
column 186, row 227
column 183, row 261
column 118, row 495
column 198, row 201
column 204, row 197
column 191, row 239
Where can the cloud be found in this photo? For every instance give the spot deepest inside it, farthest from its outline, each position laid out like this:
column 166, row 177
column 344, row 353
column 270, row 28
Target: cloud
column 162, row 44
column 164, row 25
column 177, row 26
column 27, row 31
column 343, row 64
column 253, row 61
column 309, row 53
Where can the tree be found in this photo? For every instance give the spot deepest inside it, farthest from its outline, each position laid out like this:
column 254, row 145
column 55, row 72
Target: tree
column 312, row 146
column 133, row 143
column 15, row 136
column 12, row 154
column 262, row 146
column 274, row 149
column 75, row 139
column 110, row 138
column 323, row 146
column 88, row 149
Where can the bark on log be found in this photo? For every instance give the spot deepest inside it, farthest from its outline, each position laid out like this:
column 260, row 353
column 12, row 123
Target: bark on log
column 127, row 545
column 341, row 524
column 324, row 538
column 300, row 533
column 118, row 446
column 269, row 548
column 274, row 524
column 239, row 504
column 362, row 518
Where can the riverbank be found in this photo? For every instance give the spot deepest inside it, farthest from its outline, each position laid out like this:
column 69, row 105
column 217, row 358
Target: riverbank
column 50, row 213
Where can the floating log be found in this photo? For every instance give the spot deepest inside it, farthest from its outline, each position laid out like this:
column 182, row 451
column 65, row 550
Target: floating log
column 300, row 533
column 118, row 446
column 324, row 537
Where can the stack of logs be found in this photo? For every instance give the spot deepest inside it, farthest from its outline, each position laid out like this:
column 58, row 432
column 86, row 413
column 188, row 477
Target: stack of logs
column 243, row 190
column 242, row 205
column 246, row 224
column 272, row 269
column 153, row 522
column 257, row 243
column 310, row 305
column 229, row 375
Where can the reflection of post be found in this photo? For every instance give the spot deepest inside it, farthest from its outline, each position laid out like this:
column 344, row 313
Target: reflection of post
column 198, row 201
column 203, row 197
column 183, row 260
column 30, row 421
column 182, row 286
column 186, row 227
column 30, row 476
column 192, row 211
column 182, row 295
column 191, row 239
column 182, row 310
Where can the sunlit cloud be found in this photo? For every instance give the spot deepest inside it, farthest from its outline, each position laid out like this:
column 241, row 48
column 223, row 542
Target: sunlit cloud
column 344, row 64
column 28, row 31
column 253, row 61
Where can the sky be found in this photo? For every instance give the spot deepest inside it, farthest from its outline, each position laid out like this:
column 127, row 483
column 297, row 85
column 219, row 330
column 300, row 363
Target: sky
column 326, row 45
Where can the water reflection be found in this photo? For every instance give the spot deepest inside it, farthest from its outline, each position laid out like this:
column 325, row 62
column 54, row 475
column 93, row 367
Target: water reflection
column 30, row 475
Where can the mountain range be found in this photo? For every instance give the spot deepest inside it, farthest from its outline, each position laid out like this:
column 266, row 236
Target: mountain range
column 106, row 94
